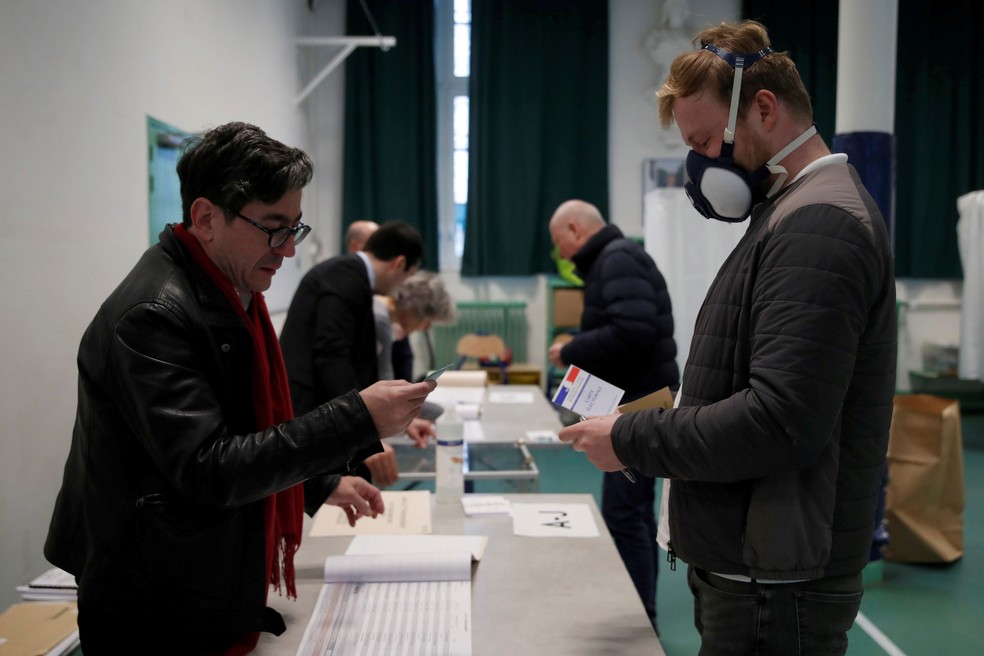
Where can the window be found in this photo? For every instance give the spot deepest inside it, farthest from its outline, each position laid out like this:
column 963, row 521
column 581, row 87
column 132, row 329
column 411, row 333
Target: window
column 453, row 64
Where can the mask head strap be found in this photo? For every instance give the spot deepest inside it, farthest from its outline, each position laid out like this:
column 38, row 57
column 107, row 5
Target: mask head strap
column 739, row 63
column 773, row 164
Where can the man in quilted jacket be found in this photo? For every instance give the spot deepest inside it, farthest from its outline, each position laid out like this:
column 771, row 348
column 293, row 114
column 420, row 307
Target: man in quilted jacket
column 775, row 451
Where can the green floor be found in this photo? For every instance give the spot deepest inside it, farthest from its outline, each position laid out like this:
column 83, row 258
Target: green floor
column 913, row 609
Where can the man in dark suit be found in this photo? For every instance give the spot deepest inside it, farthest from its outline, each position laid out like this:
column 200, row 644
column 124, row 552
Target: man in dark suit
column 329, row 337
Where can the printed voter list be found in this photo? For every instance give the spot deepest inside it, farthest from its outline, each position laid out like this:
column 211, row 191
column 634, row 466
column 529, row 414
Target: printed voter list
column 587, row 395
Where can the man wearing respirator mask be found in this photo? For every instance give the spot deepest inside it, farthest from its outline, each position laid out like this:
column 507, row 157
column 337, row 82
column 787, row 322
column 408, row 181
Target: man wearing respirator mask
column 775, row 451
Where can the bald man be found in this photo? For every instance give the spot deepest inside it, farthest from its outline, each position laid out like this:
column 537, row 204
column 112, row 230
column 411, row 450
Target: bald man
column 357, row 234
column 625, row 338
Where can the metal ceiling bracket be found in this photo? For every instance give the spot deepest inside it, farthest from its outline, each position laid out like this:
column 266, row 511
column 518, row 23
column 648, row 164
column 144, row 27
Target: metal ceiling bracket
column 348, row 43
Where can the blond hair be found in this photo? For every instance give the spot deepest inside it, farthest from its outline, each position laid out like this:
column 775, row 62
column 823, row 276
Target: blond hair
column 701, row 69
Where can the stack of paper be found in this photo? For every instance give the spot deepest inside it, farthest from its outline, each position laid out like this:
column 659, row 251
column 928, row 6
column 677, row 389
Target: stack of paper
column 54, row 585
column 396, row 595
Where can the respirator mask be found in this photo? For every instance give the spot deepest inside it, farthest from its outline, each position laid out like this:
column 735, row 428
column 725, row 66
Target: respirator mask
column 720, row 189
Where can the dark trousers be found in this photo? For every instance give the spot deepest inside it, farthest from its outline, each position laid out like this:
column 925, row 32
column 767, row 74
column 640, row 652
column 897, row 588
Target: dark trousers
column 627, row 508
column 780, row 619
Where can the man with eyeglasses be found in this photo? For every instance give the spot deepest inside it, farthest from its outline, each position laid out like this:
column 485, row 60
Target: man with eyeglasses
column 329, row 336
column 183, row 493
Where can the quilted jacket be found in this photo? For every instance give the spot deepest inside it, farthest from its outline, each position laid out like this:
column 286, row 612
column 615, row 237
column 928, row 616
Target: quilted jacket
column 626, row 335
column 777, row 451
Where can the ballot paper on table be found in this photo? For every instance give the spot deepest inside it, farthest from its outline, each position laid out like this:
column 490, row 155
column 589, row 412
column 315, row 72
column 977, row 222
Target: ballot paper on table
column 485, row 504
column 587, row 395
column 553, row 520
column 510, row 396
column 406, row 512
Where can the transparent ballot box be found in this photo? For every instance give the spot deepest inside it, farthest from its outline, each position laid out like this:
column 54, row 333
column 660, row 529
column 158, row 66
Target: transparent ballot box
column 489, row 467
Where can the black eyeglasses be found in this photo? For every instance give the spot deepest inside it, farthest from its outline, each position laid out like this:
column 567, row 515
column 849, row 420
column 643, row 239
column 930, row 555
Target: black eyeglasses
column 279, row 236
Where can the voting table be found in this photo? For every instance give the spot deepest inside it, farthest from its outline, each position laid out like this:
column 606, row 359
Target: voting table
column 530, row 595
column 513, row 420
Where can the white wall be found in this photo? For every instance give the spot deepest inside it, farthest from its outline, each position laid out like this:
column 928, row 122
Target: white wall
column 78, row 80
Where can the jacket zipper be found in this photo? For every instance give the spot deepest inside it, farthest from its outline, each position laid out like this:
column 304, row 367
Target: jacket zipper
column 670, row 555
column 150, row 500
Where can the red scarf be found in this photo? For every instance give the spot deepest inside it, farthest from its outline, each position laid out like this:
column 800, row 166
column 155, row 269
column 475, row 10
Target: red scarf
column 283, row 512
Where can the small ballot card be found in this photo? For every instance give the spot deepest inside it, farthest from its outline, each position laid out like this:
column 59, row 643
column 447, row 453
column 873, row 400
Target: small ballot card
column 587, row 395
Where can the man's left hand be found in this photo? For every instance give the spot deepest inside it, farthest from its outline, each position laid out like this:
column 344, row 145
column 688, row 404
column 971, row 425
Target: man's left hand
column 594, row 437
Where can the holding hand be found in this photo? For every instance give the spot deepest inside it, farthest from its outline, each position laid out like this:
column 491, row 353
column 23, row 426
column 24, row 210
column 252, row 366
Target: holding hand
column 593, row 436
column 393, row 404
column 357, row 497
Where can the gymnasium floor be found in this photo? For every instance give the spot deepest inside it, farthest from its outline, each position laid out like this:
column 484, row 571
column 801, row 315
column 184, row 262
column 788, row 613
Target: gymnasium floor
column 908, row 610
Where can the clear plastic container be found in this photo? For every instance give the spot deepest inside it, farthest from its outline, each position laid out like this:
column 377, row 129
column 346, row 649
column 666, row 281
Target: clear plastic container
column 449, row 485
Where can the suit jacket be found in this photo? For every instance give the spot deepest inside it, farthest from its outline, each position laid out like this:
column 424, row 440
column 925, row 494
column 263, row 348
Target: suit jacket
column 329, row 337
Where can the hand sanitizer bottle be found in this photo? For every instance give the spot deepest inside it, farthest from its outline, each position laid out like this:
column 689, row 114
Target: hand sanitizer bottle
column 449, row 462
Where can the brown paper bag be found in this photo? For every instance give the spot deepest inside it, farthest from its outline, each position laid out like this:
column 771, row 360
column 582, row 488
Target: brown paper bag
column 925, row 498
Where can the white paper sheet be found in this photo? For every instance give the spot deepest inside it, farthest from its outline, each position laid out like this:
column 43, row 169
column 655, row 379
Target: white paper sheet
column 406, row 512
column 553, row 520
column 485, row 504
column 449, row 396
column 398, row 567
column 387, row 619
column 503, row 396
column 402, row 544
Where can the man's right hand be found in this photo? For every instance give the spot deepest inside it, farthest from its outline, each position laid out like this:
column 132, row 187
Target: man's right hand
column 393, row 404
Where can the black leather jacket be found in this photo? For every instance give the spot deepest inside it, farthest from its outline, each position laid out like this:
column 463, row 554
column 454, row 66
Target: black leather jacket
column 160, row 515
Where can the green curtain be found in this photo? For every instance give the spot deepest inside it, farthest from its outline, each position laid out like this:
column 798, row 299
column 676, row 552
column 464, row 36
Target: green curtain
column 809, row 35
column 939, row 112
column 939, row 130
column 390, row 153
column 538, row 130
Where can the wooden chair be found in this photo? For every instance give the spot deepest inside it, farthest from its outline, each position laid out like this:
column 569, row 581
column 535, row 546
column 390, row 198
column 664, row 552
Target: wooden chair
column 481, row 347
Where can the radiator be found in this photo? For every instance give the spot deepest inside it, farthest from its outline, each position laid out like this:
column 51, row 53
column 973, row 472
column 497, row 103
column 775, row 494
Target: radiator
column 507, row 319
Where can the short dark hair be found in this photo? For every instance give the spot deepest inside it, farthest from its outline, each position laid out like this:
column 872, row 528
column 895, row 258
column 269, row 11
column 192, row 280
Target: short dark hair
column 395, row 238
column 236, row 163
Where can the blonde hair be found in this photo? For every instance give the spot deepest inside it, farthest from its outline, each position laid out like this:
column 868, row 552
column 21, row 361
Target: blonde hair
column 701, row 69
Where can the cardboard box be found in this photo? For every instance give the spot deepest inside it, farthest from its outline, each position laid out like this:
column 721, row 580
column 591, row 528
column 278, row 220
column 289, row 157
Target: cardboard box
column 34, row 628
column 568, row 304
